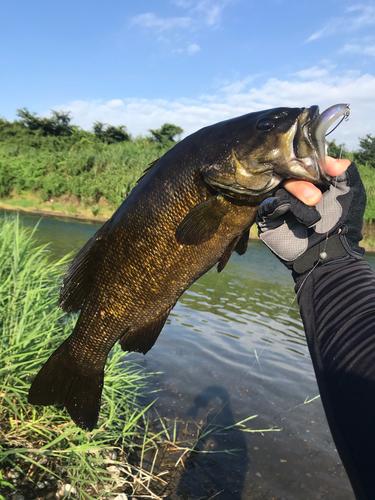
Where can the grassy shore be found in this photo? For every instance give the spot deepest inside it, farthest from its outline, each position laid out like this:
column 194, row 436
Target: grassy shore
column 66, row 205
column 71, row 207
column 42, row 453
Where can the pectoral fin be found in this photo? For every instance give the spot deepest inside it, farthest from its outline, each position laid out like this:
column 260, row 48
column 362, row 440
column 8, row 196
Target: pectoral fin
column 202, row 222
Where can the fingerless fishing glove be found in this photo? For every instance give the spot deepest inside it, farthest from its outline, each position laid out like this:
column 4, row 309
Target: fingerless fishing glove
column 300, row 236
column 337, row 304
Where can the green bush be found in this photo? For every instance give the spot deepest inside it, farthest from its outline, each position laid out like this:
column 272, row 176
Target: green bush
column 366, row 153
column 51, row 157
column 368, row 178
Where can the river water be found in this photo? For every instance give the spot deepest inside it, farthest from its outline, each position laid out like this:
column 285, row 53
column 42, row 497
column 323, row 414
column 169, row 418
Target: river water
column 234, row 347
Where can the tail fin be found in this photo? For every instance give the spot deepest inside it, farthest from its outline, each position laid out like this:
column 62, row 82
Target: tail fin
column 63, row 381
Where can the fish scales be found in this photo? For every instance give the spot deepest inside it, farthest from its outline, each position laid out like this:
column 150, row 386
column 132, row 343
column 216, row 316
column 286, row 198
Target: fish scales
column 134, row 283
column 190, row 210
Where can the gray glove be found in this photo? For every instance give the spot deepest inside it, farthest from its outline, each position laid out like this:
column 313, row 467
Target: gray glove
column 300, row 236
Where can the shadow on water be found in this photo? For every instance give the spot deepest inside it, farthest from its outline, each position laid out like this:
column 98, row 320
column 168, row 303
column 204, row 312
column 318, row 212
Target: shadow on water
column 205, row 471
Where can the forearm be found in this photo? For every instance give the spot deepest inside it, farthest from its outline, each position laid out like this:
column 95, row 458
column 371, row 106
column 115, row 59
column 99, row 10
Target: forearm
column 337, row 303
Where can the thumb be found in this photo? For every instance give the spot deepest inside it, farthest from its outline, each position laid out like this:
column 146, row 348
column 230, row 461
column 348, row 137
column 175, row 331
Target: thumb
column 306, row 215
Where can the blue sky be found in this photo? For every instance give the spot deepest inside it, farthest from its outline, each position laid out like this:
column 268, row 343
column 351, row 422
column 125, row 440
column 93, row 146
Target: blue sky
column 187, row 62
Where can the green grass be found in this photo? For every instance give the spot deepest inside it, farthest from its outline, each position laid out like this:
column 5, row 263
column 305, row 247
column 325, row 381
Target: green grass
column 90, row 172
column 72, row 209
column 368, row 177
column 20, row 202
column 57, row 207
column 42, row 443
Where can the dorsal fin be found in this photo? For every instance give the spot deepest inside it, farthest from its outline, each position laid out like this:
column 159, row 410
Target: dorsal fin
column 79, row 278
column 143, row 337
column 145, row 172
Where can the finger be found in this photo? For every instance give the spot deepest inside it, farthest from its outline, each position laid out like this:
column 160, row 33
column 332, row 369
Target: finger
column 304, row 191
column 336, row 167
column 307, row 192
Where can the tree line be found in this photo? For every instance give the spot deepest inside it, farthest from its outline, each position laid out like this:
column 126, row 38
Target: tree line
column 365, row 155
column 59, row 125
column 52, row 156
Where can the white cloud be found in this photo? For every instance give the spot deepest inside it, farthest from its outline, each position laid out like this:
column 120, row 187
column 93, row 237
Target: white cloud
column 365, row 16
column 183, row 3
column 356, row 17
column 139, row 115
column 237, row 86
column 151, row 20
column 115, row 103
column 193, row 48
column 201, row 14
column 312, row 73
column 368, row 50
column 211, row 10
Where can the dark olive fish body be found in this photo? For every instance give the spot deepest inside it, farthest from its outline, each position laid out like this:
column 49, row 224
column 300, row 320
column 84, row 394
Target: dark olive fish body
column 190, row 210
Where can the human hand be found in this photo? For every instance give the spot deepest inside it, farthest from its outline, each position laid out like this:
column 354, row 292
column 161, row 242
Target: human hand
column 301, row 235
column 307, row 192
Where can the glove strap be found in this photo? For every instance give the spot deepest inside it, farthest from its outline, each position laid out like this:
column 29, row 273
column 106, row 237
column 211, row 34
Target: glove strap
column 326, row 250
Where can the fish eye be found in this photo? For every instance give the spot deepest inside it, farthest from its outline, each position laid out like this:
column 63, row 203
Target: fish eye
column 265, row 124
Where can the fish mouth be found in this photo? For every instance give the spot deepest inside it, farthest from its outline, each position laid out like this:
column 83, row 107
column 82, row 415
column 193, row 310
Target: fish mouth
column 295, row 149
column 311, row 132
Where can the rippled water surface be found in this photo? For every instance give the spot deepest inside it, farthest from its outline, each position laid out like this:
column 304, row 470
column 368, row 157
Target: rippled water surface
column 234, row 347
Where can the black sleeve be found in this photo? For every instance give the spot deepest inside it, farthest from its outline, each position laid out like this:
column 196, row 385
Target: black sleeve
column 337, row 303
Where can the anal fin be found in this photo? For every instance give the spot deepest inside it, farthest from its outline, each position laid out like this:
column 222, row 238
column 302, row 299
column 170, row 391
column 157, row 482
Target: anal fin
column 143, row 337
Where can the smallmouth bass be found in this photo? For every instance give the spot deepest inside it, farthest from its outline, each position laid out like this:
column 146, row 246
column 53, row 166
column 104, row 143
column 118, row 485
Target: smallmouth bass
column 191, row 209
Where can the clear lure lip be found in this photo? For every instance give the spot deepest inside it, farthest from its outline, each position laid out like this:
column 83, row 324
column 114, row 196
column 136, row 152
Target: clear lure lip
column 320, row 124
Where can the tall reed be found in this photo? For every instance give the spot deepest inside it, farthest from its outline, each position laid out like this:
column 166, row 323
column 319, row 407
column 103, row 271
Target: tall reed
column 40, row 445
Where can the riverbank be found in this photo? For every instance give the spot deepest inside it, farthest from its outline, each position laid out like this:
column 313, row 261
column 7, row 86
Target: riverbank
column 68, row 206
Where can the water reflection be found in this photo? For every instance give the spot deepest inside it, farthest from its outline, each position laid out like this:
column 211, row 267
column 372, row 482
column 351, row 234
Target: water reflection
column 63, row 235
